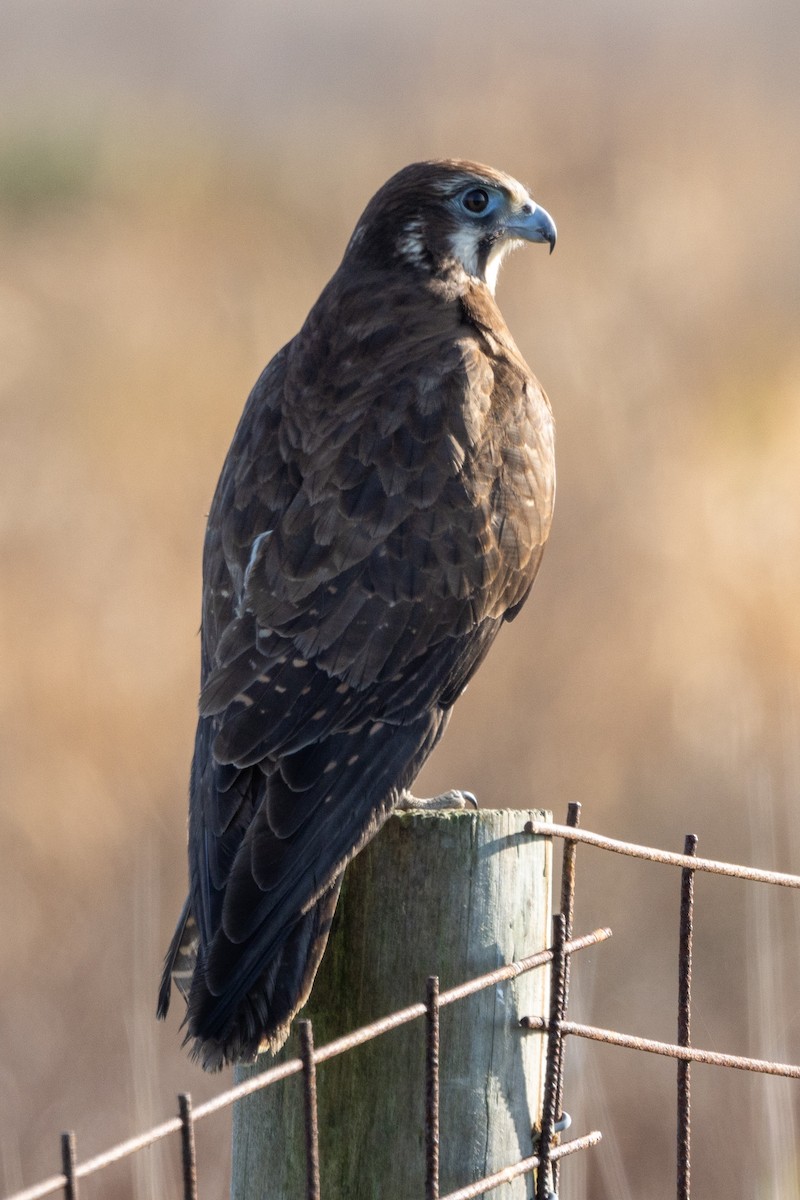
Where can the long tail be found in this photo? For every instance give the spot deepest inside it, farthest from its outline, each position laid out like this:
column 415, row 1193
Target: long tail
column 262, row 1018
column 179, row 961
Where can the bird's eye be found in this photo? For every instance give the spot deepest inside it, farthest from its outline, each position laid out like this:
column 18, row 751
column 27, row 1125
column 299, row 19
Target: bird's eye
column 476, row 200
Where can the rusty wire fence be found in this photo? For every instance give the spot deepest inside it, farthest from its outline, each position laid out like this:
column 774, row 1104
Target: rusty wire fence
column 550, row 1150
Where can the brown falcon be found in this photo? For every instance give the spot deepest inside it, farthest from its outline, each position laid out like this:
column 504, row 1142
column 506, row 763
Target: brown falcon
column 382, row 511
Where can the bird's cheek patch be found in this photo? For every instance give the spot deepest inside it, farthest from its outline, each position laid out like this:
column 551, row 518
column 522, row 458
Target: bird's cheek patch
column 464, row 246
column 411, row 244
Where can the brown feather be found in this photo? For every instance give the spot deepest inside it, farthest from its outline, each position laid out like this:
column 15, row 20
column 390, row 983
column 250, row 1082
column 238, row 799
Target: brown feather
column 382, row 509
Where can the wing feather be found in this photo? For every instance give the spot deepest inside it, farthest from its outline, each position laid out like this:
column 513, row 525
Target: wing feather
column 371, row 529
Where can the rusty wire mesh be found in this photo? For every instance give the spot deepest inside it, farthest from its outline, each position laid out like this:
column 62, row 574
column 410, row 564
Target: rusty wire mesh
column 550, row 1151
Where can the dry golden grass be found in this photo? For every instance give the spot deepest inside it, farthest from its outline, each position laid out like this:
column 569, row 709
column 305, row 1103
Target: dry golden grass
column 148, row 275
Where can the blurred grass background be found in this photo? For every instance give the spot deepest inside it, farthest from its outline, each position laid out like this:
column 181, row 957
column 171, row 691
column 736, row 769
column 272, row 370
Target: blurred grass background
column 177, row 182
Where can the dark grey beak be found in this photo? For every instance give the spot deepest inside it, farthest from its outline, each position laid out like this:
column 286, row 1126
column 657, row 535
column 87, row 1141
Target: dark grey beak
column 534, row 224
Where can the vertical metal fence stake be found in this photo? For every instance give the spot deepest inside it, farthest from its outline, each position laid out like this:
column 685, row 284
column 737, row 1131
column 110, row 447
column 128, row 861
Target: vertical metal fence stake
column 310, row 1098
column 68, row 1158
column 188, row 1156
column 568, row 871
column 684, row 1021
column 432, row 1090
column 554, row 1046
column 568, row 864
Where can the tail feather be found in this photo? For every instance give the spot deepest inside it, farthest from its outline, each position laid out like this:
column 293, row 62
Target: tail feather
column 261, row 1019
column 180, row 960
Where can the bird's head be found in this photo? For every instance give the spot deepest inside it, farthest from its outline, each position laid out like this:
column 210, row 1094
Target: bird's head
column 448, row 216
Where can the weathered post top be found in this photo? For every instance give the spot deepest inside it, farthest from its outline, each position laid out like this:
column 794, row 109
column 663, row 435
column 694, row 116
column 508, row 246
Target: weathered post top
column 454, row 894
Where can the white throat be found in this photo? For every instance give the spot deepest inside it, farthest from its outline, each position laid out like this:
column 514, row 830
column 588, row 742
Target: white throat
column 495, row 261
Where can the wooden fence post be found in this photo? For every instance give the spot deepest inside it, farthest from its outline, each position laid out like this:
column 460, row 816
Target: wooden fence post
column 453, row 894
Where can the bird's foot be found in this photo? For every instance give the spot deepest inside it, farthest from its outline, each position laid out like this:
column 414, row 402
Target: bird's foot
column 452, row 799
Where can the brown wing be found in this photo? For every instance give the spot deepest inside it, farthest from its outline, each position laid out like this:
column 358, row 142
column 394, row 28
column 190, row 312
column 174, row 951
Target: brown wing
column 383, row 506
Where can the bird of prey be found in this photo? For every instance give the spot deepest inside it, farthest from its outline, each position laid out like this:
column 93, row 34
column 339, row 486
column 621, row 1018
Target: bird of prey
column 381, row 512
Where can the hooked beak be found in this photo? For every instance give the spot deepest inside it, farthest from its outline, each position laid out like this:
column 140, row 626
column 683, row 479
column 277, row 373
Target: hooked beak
column 533, row 224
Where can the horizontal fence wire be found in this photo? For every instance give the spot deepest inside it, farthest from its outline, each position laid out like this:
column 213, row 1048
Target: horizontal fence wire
column 667, row 1049
column 184, row 1124
column 295, row 1065
column 523, row 1167
column 631, row 850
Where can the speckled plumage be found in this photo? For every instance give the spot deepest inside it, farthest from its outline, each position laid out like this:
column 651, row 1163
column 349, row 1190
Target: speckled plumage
column 382, row 510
